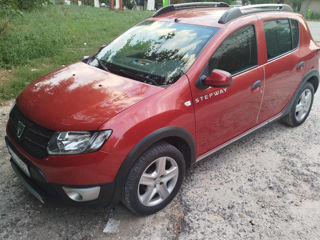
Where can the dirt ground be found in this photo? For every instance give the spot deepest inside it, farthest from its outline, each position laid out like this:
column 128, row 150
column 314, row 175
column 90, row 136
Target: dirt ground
column 265, row 186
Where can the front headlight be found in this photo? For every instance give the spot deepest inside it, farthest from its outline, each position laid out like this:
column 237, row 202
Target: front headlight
column 77, row 142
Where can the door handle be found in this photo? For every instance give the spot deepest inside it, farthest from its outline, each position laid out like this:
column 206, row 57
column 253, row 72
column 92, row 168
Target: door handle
column 256, row 84
column 300, row 65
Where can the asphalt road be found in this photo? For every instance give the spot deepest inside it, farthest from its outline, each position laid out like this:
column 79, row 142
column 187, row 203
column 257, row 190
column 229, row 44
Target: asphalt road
column 265, row 186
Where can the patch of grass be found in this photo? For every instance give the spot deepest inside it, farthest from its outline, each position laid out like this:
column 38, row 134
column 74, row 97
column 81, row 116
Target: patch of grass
column 48, row 38
column 4, row 76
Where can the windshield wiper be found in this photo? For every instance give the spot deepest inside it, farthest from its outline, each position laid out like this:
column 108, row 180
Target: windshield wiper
column 115, row 69
column 101, row 63
column 127, row 73
column 138, row 76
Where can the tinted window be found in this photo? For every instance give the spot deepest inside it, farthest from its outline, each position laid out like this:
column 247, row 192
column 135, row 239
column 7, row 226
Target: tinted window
column 278, row 37
column 237, row 53
column 295, row 33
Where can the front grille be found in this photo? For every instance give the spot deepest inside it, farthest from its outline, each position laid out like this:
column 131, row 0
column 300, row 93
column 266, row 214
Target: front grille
column 34, row 138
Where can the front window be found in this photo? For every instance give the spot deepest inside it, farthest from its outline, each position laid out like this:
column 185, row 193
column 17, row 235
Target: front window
column 238, row 51
column 155, row 52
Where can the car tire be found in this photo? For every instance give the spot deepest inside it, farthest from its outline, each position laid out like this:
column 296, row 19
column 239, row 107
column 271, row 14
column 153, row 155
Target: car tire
column 154, row 180
column 301, row 107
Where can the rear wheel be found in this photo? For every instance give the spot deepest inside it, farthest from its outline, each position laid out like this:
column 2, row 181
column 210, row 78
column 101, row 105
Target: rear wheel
column 154, row 180
column 301, row 107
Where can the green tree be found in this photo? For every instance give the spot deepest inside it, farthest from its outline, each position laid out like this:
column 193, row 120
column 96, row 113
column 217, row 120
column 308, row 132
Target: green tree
column 183, row 1
column 245, row 2
column 8, row 8
column 22, row 4
column 31, row 4
column 296, row 4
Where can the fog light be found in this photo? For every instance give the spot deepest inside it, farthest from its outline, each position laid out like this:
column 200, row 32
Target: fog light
column 82, row 194
column 75, row 196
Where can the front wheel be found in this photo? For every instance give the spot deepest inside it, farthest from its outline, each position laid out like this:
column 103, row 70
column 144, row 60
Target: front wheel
column 154, row 180
column 301, row 107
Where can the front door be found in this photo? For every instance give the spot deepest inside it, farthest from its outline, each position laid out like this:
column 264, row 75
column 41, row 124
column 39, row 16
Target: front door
column 223, row 113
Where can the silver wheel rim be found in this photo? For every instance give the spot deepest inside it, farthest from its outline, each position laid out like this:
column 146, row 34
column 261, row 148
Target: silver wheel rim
column 158, row 181
column 303, row 105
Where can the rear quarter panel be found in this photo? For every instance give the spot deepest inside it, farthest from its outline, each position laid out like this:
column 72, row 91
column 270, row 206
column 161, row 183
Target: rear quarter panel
column 282, row 77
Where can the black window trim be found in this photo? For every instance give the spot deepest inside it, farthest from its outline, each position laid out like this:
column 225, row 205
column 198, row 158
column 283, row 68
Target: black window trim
column 291, row 19
column 245, row 70
column 251, row 67
column 290, row 51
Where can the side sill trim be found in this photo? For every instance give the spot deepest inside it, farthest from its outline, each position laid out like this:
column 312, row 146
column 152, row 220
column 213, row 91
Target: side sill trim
column 239, row 137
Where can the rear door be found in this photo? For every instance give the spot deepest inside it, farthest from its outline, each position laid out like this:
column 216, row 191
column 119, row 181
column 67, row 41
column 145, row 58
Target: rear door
column 284, row 68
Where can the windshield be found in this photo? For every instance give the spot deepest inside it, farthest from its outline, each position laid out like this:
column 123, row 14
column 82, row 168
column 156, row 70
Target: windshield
column 154, row 52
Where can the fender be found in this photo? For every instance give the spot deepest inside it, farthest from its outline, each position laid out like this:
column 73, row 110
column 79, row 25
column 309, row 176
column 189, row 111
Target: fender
column 143, row 145
column 308, row 76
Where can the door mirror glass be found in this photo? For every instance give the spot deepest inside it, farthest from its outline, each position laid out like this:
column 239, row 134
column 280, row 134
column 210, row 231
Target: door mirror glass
column 219, row 78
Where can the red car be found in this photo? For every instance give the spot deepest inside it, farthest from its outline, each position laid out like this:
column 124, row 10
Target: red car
column 126, row 123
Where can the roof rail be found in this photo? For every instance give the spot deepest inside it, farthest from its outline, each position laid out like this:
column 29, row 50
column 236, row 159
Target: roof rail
column 236, row 12
column 181, row 6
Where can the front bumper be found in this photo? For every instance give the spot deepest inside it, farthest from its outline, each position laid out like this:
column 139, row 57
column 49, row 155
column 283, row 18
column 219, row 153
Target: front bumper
column 38, row 186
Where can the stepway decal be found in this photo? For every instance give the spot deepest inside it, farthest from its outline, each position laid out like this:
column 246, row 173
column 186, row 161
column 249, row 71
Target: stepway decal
column 210, row 95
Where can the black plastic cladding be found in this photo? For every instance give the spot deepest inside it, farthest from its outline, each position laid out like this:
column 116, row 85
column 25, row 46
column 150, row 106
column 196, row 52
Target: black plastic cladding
column 181, row 6
column 237, row 12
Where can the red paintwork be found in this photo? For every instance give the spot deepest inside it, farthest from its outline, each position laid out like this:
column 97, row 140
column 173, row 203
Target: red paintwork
column 282, row 78
column 80, row 97
column 128, row 127
column 94, row 99
column 218, row 78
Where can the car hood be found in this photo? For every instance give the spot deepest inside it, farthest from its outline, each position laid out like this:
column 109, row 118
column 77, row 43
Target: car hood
column 80, row 97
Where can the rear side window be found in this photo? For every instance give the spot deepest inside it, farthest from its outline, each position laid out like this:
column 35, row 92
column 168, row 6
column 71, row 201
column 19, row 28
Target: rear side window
column 238, row 51
column 281, row 36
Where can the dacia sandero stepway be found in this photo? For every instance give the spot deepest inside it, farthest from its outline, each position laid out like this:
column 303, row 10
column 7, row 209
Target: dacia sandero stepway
column 126, row 123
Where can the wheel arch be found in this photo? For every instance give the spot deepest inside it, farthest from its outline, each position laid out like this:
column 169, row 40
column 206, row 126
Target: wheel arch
column 177, row 136
column 313, row 77
column 314, row 80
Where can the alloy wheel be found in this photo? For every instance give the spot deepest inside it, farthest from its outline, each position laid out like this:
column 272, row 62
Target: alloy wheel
column 303, row 104
column 158, row 181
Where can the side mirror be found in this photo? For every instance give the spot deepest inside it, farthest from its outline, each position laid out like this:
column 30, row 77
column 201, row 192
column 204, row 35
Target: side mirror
column 218, row 78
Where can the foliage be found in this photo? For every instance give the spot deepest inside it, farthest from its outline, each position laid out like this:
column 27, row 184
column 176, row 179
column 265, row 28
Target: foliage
column 64, row 35
column 128, row 4
column 182, row 1
column 61, row 2
column 314, row 16
column 296, row 4
column 23, row 4
column 4, row 23
column 88, row 2
column 245, row 2
column 7, row 10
